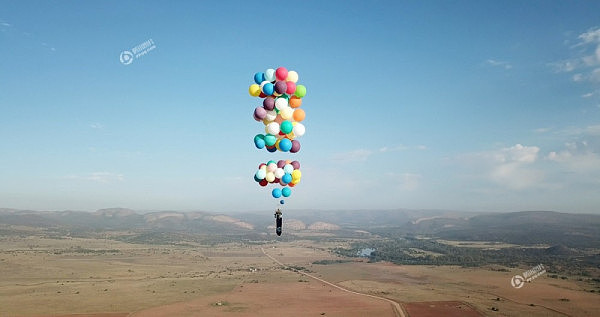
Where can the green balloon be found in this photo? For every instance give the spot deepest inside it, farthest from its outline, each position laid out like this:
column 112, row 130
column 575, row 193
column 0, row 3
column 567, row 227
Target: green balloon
column 286, row 126
column 300, row 91
column 270, row 140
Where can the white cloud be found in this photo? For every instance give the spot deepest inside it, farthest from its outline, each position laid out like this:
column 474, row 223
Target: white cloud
column 503, row 64
column 96, row 125
column 99, row 177
column 586, row 60
column 510, row 167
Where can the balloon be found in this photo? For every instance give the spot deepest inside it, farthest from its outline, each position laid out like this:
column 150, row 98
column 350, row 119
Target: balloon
column 295, row 146
column 260, row 113
column 276, row 192
column 280, row 163
column 299, row 114
column 254, row 90
column 270, row 140
column 279, row 173
column 300, row 91
column 286, row 178
column 286, row 113
column 260, row 143
column 292, row 76
column 296, row 174
column 285, row 145
column 299, row 129
column 270, row 177
column 271, row 167
column 262, row 166
column 288, row 168
column 269, row 103
column 281, row 103
column 263, row 183
column 270, row 74
column 280, row 87
column 286, row 126
column 290, row 87
column 286, row 192
column 271, row 115
column 268, row 89
column 281, row 73
column 273, row 128
column 259, row 77
column 281, row 202
column 272, row 149
column 295, row 102
column 291, row 184
column 296, row 165
column 261, row 174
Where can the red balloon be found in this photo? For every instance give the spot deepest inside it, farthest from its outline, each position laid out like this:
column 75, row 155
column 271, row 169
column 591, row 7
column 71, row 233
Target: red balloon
column 263, row 182
column 281, row 73
column 262, row 95
column 291, row 87
column 261, row 165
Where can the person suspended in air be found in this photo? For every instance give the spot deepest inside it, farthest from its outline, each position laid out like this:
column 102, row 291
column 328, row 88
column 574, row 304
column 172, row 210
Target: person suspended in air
column 278, row 222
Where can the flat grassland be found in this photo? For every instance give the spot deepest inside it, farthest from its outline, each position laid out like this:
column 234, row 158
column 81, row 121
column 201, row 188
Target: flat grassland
column 42, row 276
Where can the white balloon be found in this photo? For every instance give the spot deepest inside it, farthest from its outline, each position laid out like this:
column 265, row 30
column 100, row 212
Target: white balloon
column 299, row 129
column 281, row 103
column 288, row 168
column 279, row 172
column 292, row 76
column 271, row 115
column 273, row 128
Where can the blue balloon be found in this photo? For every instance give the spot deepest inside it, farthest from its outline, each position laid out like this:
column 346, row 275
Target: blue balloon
column 276, row 192
column 268, row 89
column 259, row 77
column 273, row 149
column 259, row 143
column 281, row 202
column 285, row 145
column 286, row 192
column 286, row 178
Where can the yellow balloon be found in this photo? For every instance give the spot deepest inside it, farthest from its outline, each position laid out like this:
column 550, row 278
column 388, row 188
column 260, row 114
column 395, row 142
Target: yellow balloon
column 295, row 181
column 291, row 135
column 254, row 90
column 270, row 177
column 296, row 174
column 286, row 113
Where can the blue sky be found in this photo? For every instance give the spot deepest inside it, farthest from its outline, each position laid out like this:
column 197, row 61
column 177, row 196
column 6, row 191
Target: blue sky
column 465, row 105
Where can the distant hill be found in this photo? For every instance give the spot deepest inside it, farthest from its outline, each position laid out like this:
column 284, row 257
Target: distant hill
column 529, row 227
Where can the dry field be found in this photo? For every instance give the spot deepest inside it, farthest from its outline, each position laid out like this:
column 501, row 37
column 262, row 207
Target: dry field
column 41, row 277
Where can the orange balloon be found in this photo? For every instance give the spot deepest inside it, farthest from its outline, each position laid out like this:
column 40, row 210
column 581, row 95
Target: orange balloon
column 295, row 102
column 299, row 115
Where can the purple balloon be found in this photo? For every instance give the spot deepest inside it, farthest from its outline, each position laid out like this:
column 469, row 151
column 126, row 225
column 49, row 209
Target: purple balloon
column 281, row 163
column 280, row 87
column 296, row 165
column 269, row 103
column 295, row 147
column 260, row 113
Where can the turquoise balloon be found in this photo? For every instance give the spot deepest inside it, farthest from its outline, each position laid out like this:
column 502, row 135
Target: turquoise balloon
column 259, row 141
column 276, row 193
column 286, row 192
column 270, row 74
column 286, row 178
column 286, row 126
column 270, row 140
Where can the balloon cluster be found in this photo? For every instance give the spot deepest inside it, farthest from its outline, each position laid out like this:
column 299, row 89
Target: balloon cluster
column 286, row 173
column 280, row 111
